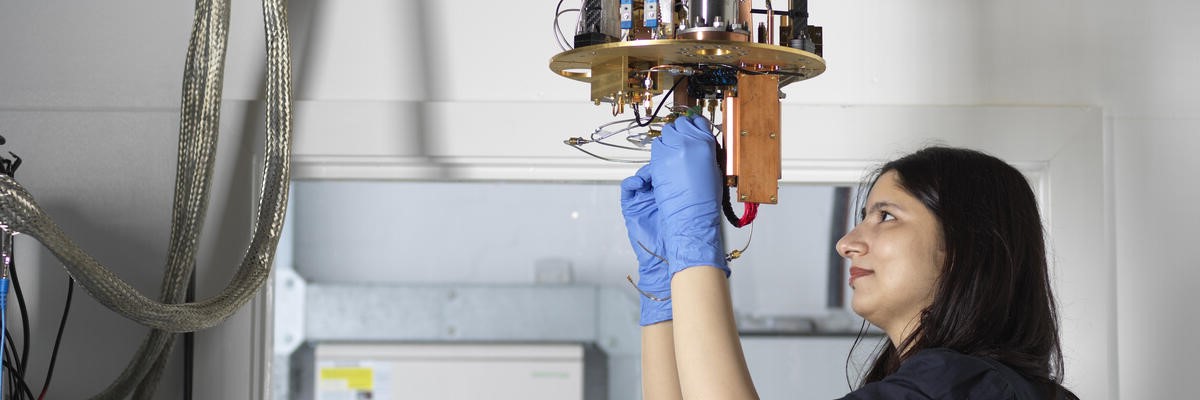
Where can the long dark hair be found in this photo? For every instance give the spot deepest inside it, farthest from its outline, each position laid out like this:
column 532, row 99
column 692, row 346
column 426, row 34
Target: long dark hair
column 993, row 298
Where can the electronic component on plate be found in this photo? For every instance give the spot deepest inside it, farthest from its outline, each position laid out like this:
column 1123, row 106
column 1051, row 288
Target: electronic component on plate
column 650, row 14
column 626, row 14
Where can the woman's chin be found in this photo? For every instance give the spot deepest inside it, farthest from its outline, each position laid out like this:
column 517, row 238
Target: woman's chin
column 858, row 304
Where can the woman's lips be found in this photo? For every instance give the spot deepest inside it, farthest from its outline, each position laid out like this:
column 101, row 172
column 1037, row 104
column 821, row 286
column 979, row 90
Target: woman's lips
column 858, row 272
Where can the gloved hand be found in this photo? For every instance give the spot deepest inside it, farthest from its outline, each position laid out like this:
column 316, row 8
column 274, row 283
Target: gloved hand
column 687, row 189
column 642, row 223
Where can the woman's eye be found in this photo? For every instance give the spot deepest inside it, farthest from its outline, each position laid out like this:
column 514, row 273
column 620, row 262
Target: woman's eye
column 885, row 216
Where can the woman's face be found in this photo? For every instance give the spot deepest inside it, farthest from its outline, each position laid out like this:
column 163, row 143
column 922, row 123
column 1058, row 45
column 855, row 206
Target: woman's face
column 896, row 255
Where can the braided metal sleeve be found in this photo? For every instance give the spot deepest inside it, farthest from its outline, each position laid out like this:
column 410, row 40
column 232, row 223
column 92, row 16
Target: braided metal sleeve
column 198, row 130
column 198, row 127
column 145, row 389
column 18, row 206
column 278, row 97
column 149, row 383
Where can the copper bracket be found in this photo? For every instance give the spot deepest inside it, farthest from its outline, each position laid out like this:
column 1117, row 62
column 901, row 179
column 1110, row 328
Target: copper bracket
column 752, row 138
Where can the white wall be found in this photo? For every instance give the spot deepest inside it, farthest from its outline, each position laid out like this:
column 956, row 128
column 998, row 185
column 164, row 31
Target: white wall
column 1152, row 97
column 85, row 85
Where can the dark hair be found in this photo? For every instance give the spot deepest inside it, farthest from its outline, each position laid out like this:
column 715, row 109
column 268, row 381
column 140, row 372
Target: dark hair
column 993, row 298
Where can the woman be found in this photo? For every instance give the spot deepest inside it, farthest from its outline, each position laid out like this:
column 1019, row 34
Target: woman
column 948, row 260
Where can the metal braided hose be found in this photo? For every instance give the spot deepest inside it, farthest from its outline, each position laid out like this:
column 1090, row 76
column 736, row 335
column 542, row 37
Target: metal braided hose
column 198, row 131
column 278, row 92
column 198, row 128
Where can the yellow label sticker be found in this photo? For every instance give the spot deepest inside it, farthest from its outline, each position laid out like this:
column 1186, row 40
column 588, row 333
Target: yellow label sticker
column 356, row 378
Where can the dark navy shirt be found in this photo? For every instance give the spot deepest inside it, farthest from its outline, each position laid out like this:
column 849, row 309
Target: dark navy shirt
column 947, row 374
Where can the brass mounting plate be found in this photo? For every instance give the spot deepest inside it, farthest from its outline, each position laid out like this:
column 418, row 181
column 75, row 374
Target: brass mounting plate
column 577, row 64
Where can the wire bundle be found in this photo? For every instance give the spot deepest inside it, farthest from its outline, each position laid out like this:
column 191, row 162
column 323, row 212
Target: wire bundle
column 198, row 128
column 17, row 364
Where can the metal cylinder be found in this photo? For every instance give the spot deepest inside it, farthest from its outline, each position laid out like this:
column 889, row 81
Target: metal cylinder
column 713, row 13
column 715, row 20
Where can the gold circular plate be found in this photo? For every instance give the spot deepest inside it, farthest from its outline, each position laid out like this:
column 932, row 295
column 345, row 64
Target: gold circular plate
column 577, row 64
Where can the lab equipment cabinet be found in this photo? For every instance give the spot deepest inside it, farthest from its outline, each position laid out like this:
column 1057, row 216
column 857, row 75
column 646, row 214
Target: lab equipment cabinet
column 450, row 371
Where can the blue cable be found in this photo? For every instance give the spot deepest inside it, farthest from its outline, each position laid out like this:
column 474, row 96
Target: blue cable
column 3, row 323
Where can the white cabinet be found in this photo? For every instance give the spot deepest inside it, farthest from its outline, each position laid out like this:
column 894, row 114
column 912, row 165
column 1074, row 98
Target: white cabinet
column 382, row 371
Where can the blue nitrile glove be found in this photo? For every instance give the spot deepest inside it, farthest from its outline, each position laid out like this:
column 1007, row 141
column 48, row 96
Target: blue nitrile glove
column 687, row 189
column 642, row 223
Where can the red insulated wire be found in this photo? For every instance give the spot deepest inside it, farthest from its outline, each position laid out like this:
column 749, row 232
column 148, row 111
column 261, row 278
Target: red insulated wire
column 748, row 215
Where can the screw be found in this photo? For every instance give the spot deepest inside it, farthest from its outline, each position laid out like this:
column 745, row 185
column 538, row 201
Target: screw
column 744, row 197
column 744, row 133
column 773, row 199
column 773, row 135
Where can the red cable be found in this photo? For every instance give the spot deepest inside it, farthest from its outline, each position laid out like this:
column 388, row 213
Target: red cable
column 748, row 215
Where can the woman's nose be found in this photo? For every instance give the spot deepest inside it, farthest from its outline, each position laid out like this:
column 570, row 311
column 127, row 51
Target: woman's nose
column 851, row 244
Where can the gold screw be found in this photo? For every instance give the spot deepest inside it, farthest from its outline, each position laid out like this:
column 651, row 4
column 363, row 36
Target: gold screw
column 744, row 197
column 744, row 133
column 773, row 135
column 773, row 199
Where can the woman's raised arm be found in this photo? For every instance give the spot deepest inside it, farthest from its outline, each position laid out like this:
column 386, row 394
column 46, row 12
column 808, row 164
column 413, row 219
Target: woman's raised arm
column 708, row 351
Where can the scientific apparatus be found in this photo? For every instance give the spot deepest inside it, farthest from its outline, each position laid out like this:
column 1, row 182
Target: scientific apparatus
column 702, row 56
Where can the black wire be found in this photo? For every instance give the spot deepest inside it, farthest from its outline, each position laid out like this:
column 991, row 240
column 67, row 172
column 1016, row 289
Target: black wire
column 788, row 73
column 763, row 11
column 16, row 394
column 189, row 341
column 23, row 362
column 784, row 73
column 638, row 118
column 11, row 355
column 11, row 348
column 17, row 375
column 726, row 203
column 58, row 338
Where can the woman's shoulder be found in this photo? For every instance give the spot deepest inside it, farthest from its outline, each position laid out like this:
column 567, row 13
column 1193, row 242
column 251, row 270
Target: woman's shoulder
column 947, row 374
